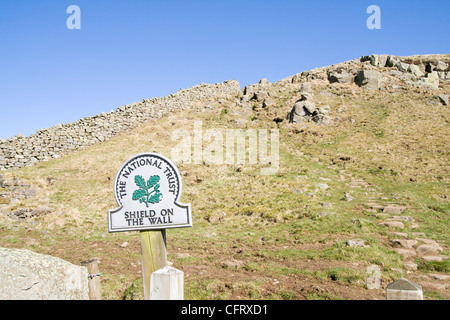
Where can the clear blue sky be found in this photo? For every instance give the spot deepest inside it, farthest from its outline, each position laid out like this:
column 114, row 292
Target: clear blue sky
column 131, row 50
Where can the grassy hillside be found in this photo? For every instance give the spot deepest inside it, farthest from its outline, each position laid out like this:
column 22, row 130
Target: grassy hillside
column 283, row 236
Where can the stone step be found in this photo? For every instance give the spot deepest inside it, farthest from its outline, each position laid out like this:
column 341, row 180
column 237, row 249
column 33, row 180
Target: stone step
column 428, row 250
column 375, row 206
column 399, row 234
column 402, row 243
column 394, row 209
column 401, row 218
column 409, row 265
column 428, row 241
column 393, row 224
column 437, row 258
column 406, row 253
column 439, row 276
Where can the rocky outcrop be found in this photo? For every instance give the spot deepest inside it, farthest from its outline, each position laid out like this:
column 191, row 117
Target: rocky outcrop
column 371, row 72
column 46, row 144
column 374, row 72
column 25, row 275
column 428, row 70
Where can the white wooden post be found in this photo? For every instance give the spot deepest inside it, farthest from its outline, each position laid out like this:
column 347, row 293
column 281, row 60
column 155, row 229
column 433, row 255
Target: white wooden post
column 167, row 284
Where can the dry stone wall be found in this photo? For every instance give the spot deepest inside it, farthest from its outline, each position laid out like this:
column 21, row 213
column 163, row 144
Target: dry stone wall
column 45, row 144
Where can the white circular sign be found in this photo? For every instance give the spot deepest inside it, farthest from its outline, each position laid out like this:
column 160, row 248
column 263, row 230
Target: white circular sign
column 147, row 188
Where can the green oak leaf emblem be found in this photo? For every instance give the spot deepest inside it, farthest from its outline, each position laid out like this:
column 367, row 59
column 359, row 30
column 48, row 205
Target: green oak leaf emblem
column 148, row 191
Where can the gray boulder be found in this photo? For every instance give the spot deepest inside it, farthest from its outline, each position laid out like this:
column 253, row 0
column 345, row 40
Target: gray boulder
column 392, row 61
column 431, row 80
column 301, row 111
column 441, row 66
column 378, row 60
column 339, row 76
column 415, row 70
column 403, row 67
column 369, row 79
column 25, row 275
column 304, row 111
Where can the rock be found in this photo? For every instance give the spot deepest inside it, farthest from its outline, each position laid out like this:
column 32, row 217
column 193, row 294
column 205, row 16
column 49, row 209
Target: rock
column 375, row 206
column 297, row 113
column 399, row 234
column 25, row 275
column 304, row 111
column 339, row 76
column 357, row 243
column 364, row 58
column 369, row 79
column 232, row 263
column 20, row 193
column 440, row 277
column 260, row 96
column 428, row 241
column 40, row 211
column 323, row 186
column 321, row 115
column 309, row 107
column 415, row 70
column 401, row 66
column 401, row 243
column 411, row 266
column 406, row 253
column 324, row 214
column 22, row 213
column 441, row 66
column 392, row 224
column 378, row 60
column 436, row 286
column 432, row 258
column 393, row 209
column 402, row 218
column 267, row 103
column 348, row 197
column 431, row 80
column 392, row 61
column 444, row 99
column 428, row 250
column 301, row 111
